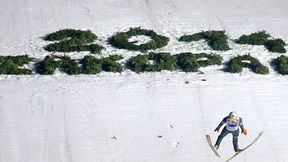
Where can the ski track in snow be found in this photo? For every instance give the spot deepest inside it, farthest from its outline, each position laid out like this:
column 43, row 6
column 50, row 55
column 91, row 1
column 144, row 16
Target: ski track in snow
column 151, row 117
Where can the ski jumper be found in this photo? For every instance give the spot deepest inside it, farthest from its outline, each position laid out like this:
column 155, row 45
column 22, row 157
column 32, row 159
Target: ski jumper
column 232, row 126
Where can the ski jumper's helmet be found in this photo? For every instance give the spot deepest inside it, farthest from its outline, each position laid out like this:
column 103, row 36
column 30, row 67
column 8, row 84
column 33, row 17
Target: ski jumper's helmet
column 233, row 116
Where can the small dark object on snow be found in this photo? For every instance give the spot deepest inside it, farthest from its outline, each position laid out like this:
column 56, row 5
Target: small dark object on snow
column 200, row 72
column 176, row 144
column 160, row 136
column 187, row 82
column 203, row 80
column 114, row 137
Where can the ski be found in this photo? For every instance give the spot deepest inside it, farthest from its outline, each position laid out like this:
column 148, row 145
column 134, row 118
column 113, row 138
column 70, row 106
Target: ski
column 208, row 138
column 259, row 135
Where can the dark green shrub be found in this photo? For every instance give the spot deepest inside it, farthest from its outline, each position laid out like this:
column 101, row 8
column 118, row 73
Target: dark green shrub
column 47, row 66
column 93, row 48
column 280, row 64
column 193, row 37
column 12, row 65
column 66, row 47
column 109, row 64
column 76, row 35
column 69, row 66
column 187, row 62
column 217, row 40
column 63, row 63
column 258, row 38
column 72, row 40
column 161, row 61
column 262, row 38
column 275, row 45
column 204, row 59
column 120, row 40
column 91, row 65
column 190, row 62
column 236, row 64
column 138, row 63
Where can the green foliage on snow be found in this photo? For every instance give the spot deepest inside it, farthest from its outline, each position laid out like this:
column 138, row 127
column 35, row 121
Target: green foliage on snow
column 71, row 40
column 190, row 62
column 110, row 64
column 257, row 38
column 204, row 59
column 120, row 40
column 13, row 65
column 159, row 62
column 162, row 61
column 152, row 62
column 263, row 38
column 217, row 40
column 65, row 64
column 236, row 65
column 138, row 63
column 280, row 64
column 47, row 66
column 275, row 45
column 187, row 62
column 69, row 66
column 87, row 65
column 91, row 65
column 193, row 37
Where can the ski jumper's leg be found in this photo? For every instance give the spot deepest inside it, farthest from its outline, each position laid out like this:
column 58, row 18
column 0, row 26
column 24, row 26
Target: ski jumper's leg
column 235, row 139
column 221, row 136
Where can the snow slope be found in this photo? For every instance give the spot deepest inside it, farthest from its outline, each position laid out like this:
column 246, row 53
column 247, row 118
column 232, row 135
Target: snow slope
column 151, row 117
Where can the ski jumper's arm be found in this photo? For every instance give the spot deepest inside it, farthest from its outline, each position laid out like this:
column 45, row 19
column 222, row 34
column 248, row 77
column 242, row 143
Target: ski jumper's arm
column 241, row 123
column 221, row 123
column 243, row 130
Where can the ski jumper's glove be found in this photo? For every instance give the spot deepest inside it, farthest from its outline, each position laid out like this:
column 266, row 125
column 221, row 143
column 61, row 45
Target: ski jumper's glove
column 217, row 129
column 244, row 131
column 220, row 125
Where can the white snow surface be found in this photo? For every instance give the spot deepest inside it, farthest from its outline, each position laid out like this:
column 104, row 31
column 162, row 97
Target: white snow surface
column 149, row 117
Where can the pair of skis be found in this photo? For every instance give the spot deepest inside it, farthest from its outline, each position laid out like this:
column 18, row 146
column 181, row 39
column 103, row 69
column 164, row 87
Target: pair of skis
column 217, row 154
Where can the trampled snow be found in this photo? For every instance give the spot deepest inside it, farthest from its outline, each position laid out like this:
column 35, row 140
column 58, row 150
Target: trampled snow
column 149, row 117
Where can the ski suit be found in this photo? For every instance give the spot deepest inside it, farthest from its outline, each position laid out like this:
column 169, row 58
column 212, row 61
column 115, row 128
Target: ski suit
column 231, row 127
